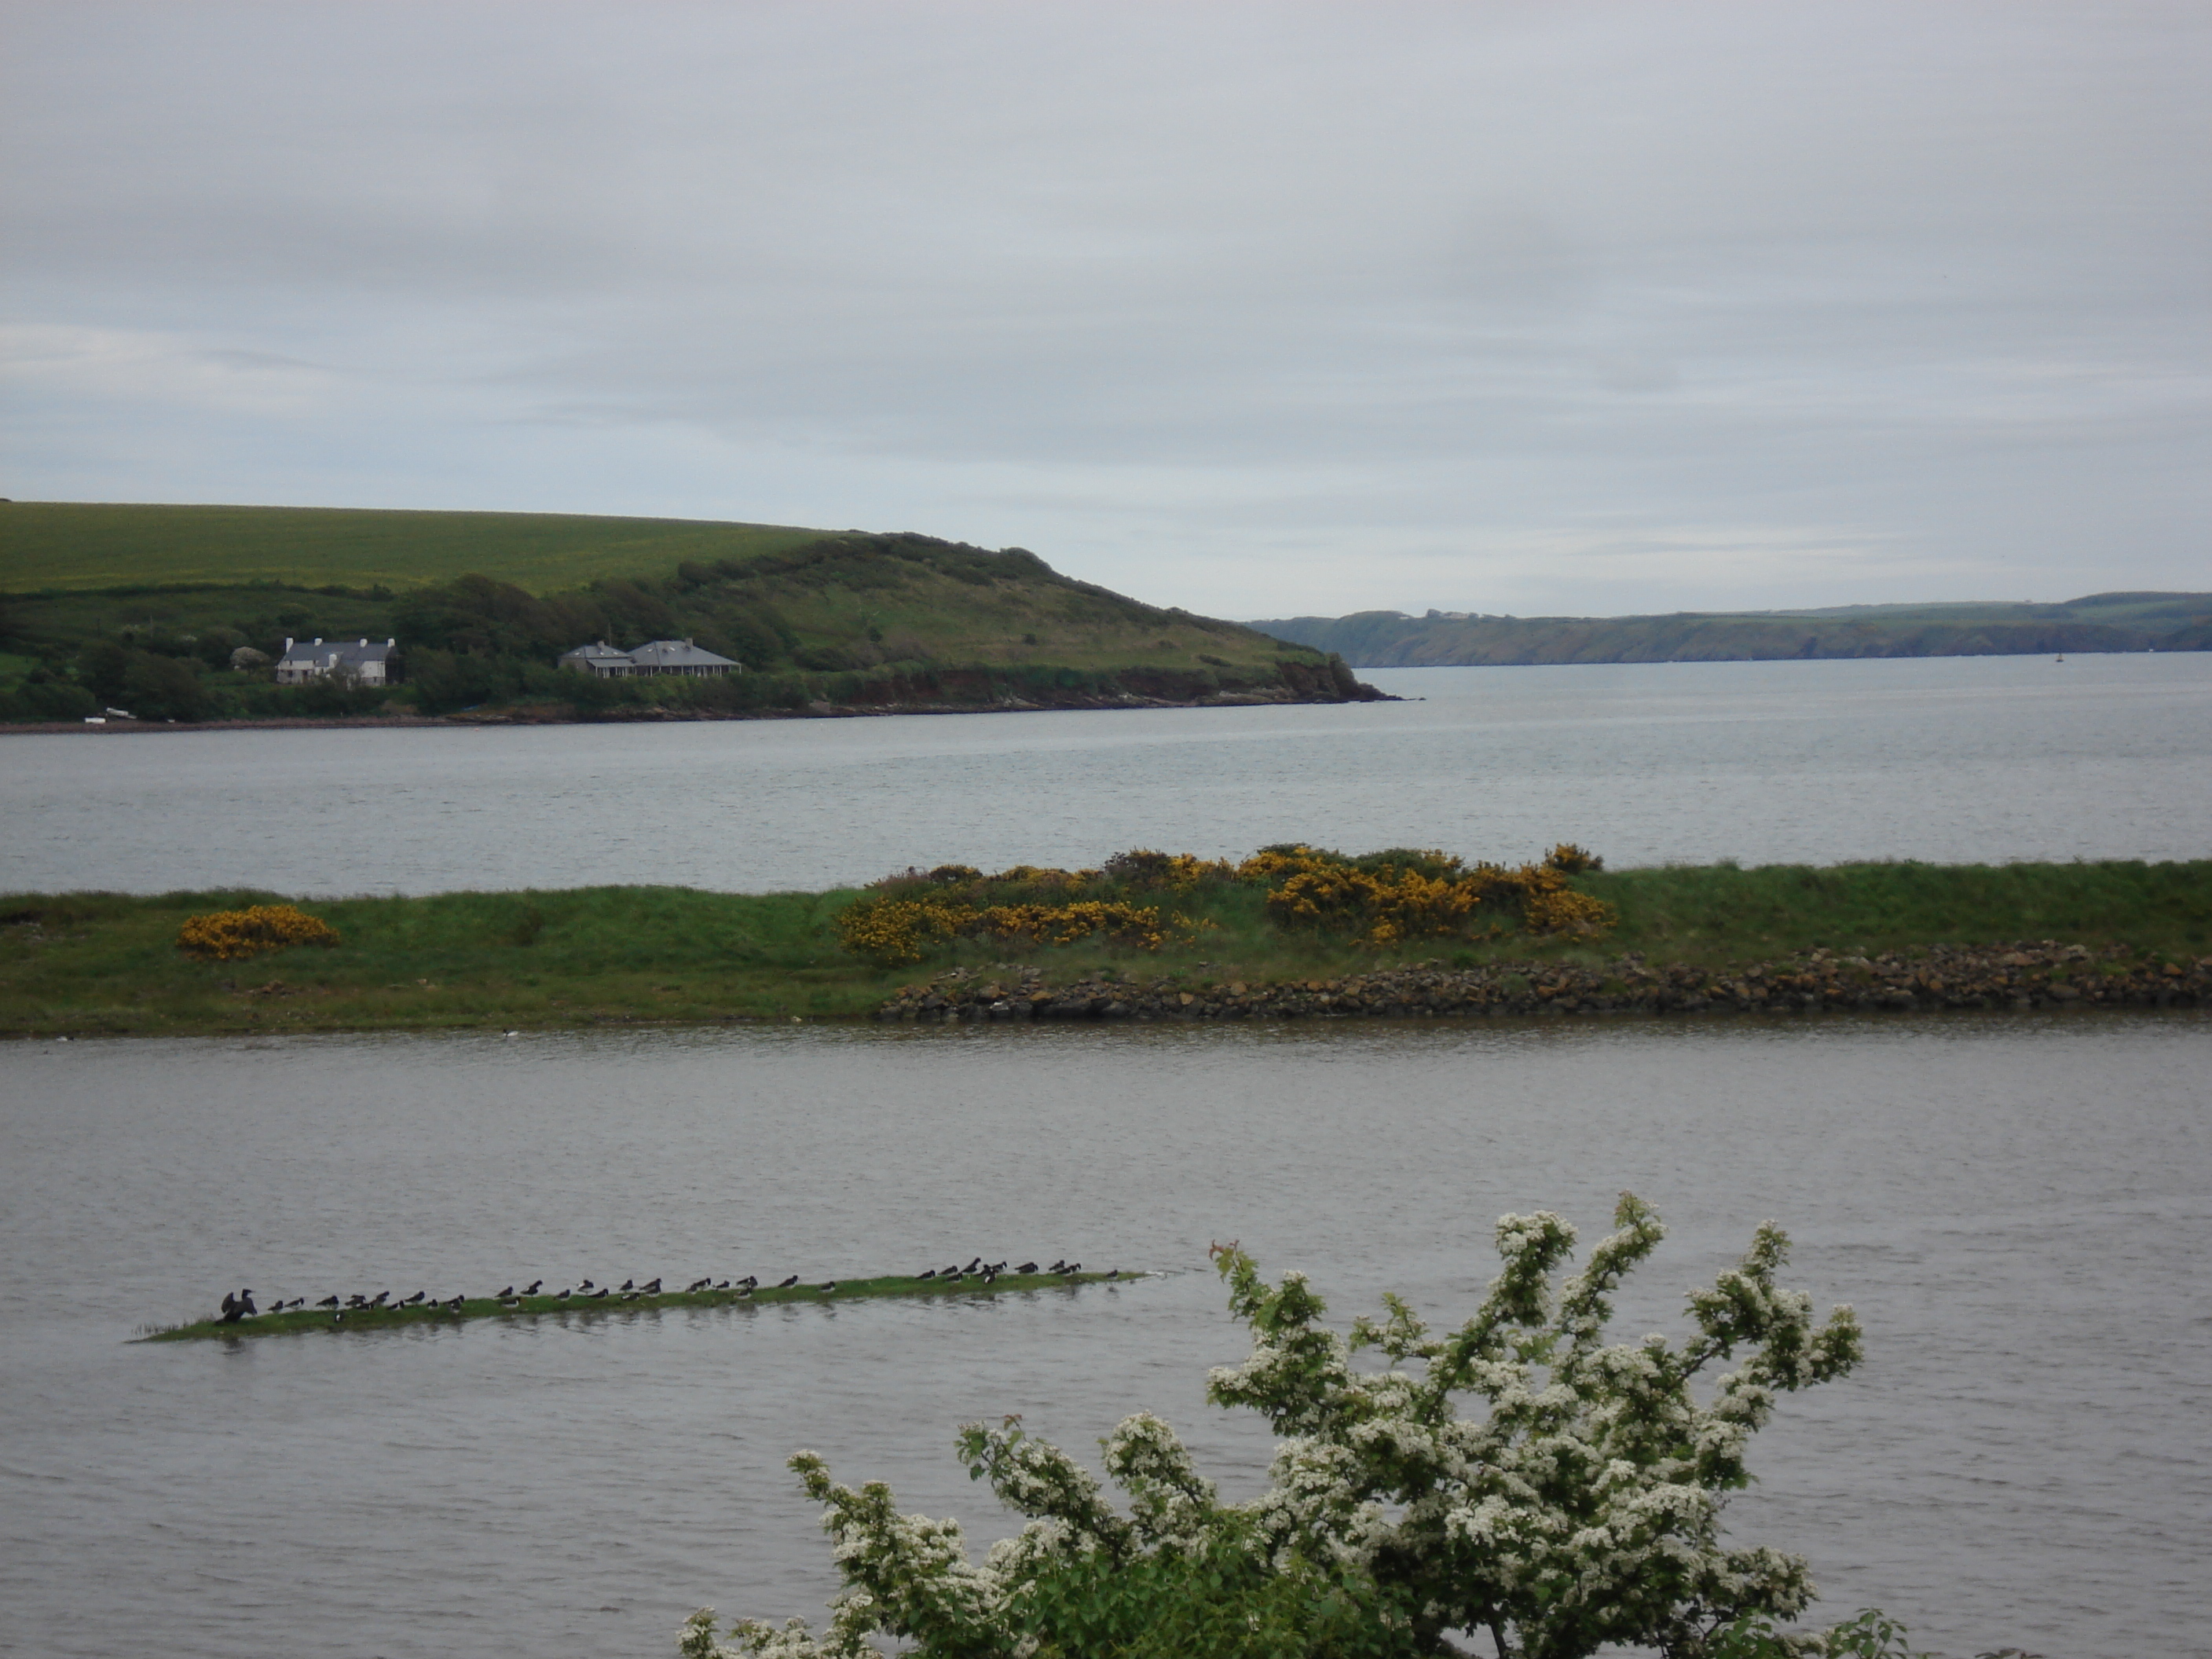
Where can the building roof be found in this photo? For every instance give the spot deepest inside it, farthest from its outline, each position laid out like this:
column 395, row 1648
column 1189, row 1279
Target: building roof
column 599, row 651
column 323, row 654
column 677, row 653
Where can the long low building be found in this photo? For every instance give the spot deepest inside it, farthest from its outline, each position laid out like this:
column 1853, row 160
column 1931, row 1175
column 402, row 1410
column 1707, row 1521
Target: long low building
column 603, row 661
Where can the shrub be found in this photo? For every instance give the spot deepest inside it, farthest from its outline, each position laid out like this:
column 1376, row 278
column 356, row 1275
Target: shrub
column 1384, row 898
column 1579, row 1508
column 228, row 935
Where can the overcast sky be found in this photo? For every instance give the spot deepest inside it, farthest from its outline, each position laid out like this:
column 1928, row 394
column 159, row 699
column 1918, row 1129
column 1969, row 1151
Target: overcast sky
column 1254, row 308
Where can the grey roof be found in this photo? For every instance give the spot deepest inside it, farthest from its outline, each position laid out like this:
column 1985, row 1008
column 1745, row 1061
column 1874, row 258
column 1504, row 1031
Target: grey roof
column 599, row 652
column 677, row 653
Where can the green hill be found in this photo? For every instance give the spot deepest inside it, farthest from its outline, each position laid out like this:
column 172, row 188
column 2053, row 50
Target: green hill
column 2100, row 622
column 79, row 546
column 162, row 610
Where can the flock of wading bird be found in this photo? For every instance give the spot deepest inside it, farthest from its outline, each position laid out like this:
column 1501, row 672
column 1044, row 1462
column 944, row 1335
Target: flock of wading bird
column 240, row 1307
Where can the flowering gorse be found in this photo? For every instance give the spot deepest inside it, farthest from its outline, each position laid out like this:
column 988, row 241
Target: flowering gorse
column 229, row 935
column 1581, row 1506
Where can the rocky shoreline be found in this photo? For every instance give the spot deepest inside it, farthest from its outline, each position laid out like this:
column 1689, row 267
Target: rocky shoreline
column 2043, row 974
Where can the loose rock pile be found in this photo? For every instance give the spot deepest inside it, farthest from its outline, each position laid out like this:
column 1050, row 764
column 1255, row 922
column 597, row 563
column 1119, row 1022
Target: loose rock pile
column 2042, row 974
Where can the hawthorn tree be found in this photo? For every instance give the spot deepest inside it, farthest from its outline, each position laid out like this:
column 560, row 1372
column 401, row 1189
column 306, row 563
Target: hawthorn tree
column 1579, row 1504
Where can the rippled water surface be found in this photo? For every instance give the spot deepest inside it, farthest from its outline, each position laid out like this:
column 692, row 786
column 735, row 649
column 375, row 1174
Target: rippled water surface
column 2019, row 1207
column 1956, row 759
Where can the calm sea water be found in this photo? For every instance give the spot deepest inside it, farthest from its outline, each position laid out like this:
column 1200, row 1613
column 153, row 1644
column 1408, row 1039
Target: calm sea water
column 1987, row 758
column 2019, row 1207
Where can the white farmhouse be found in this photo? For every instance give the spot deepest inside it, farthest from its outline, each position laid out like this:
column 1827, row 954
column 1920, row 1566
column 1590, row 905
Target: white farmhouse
column 367, row 663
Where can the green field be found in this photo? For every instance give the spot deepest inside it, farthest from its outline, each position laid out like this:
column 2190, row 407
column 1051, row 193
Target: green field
column 90, row 963
column 72, row 546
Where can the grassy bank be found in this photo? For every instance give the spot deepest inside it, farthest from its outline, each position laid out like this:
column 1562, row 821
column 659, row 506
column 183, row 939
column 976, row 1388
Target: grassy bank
column 606, row 1303
column 86, row 963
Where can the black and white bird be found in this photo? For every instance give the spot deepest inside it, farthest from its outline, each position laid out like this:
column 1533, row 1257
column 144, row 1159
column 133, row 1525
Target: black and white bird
column 830, row 1289
column 1026, row 1267
column 1057, row 1268
column 745, row 1291
column 627, row 1287
column 328, row 1302
column 536, row 1285
column 506, row 1293
column 788, row 1283
column 585, row 1286
column 1113, row 1273
column 1073, row 1269
column 750, row 1281
column 932, row 1274
column 650, row 1287
column 380, row 1299
column 972, row 1266
column 600, row 1295
column 418, row 1297
column 563, row 1293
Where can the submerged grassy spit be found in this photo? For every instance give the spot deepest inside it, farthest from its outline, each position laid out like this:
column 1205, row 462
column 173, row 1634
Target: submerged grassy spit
column 93, row 964
column 601, row 1306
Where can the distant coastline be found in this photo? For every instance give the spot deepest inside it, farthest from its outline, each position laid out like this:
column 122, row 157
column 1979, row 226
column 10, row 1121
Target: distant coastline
column 2098, row 622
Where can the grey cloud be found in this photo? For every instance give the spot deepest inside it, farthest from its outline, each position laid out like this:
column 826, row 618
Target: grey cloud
column 1411, row 286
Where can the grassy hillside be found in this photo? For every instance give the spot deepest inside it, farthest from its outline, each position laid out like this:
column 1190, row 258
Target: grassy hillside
column 2100, row 622
column 848, row 619
column 87, row 962
column 53, row 546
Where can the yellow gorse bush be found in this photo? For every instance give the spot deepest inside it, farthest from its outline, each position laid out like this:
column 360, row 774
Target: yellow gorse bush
column 1379, row 900
column 1421, row 893
column 896, row 931
column 227, row 935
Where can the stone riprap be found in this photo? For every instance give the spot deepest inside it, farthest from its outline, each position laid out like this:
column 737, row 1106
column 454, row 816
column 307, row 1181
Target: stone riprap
column 2046, row 973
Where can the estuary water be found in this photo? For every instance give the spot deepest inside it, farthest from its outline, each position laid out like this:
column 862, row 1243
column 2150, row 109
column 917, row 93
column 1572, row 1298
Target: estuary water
column 2020, row 1208
column 1951, row 759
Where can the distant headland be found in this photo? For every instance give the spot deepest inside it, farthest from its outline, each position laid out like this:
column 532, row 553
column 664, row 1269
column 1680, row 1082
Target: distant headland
column 2100, row 622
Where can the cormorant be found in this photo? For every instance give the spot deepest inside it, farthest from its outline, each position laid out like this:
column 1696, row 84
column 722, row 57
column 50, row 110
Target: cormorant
column 972, row 1266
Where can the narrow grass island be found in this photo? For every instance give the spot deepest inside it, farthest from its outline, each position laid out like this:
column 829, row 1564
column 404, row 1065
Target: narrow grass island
column 1290, row 933
column 243, row 1319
